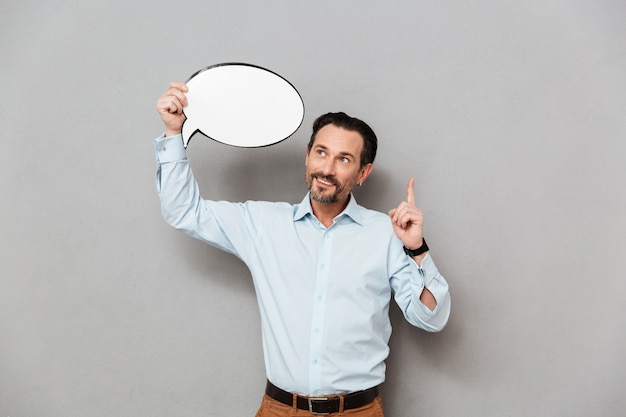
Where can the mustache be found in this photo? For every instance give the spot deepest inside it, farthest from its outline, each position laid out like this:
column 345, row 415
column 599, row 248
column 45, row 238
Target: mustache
column 327, row 178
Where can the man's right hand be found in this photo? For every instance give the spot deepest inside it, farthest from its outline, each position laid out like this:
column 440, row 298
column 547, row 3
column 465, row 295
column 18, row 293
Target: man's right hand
column 170, row 107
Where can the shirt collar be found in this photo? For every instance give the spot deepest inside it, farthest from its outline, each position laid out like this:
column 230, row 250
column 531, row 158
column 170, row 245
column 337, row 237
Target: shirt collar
column 352, row 210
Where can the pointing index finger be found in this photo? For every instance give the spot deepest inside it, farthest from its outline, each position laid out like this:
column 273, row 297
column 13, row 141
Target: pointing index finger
column 410, row 193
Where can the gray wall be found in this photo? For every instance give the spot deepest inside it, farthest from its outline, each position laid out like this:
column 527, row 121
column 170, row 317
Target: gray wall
column 511, row 116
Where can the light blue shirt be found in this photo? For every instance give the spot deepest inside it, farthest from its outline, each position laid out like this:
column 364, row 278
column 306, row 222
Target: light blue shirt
column 323, row 293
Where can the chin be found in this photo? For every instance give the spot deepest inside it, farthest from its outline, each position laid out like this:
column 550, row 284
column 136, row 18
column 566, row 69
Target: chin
column 324, row 200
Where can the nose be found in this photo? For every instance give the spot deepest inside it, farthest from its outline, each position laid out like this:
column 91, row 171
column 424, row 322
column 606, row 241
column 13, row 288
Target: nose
column 328, row 168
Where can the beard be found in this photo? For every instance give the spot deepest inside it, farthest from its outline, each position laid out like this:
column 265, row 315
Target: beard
column 323, row 196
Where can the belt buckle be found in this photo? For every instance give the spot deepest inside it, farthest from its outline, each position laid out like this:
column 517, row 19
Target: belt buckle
column 311, row 402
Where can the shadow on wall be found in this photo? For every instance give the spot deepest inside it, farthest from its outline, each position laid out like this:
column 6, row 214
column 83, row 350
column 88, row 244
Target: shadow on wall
column 375, row 193
column 418, row 358
column 273, row 173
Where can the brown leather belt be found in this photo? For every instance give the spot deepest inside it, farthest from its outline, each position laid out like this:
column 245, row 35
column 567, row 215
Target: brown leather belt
column 322, row 405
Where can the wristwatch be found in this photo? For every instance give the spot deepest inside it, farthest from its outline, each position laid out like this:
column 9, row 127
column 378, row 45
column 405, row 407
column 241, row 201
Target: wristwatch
column 415, row 252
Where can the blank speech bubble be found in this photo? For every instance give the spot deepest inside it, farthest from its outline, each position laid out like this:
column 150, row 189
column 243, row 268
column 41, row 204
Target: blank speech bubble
column 241, row 105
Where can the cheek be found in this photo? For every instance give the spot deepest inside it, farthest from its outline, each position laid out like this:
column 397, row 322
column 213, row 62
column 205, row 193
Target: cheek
column 348, row 179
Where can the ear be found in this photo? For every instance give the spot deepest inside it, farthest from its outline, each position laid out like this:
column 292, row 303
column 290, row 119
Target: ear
column 306, row 156
column 365, row 172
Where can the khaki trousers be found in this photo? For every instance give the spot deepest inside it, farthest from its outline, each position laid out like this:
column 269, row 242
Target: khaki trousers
column 272, row 408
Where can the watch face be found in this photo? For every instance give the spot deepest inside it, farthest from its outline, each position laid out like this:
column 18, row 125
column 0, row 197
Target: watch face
column 241, row 105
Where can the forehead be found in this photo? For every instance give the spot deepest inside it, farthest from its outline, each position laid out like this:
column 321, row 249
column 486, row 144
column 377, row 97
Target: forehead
column 338, row 139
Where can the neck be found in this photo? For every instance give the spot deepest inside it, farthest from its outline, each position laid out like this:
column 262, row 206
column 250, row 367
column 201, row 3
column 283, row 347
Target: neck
column 326, row 213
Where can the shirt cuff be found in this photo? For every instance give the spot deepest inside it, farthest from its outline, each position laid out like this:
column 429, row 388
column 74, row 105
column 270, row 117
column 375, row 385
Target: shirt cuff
column 170, row 149
column 435, row 283
column 429, row 269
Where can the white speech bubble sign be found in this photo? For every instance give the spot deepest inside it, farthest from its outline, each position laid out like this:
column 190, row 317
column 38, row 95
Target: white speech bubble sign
column 241, row 105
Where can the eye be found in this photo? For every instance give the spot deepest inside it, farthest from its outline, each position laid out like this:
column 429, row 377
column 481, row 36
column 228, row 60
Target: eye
column 320, row 152
column 344, row 160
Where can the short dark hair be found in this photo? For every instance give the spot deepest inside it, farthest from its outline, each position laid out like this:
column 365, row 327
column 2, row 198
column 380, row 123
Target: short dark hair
column 342, row 120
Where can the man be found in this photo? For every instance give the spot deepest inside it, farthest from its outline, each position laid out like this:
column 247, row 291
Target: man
column 324, row 270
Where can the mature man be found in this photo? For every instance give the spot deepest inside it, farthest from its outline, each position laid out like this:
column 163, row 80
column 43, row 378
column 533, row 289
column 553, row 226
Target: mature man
column 324, row 270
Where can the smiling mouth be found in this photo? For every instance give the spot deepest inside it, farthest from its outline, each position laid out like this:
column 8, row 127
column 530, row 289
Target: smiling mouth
column 325, row 181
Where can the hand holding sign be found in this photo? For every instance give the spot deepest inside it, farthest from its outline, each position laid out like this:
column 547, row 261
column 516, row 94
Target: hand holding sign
column 236, row 104
column 170, row 107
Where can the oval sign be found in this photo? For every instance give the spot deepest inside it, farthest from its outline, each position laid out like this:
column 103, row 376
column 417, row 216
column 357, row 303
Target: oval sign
column 241, row 105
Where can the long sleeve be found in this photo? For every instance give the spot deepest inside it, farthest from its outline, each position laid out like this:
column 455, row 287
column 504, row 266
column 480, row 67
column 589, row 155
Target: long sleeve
column 408, row 284
column 182, row 205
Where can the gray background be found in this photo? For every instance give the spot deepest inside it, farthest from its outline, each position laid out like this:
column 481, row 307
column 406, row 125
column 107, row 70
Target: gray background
column 511, row 116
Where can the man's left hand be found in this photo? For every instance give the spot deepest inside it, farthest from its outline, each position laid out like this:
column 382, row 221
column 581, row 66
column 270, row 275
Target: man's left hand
column 408, row 220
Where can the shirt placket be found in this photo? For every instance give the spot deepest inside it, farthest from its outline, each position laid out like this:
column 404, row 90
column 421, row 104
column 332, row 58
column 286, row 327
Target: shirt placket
column 316, row 358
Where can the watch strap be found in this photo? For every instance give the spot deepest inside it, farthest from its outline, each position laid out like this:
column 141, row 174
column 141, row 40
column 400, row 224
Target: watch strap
column 415, row 252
